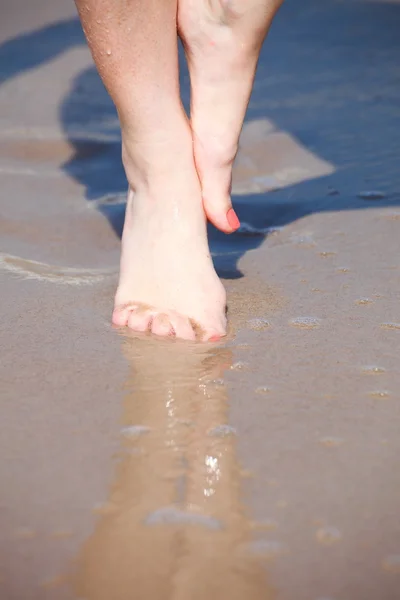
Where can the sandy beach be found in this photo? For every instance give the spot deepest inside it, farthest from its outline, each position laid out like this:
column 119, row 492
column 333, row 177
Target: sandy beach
column 264, row 467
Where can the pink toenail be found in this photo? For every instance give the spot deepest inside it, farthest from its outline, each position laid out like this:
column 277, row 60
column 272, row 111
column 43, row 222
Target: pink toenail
column 233, row 219
column 214, row 338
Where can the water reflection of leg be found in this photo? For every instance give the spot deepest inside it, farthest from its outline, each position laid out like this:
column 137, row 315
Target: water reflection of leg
column 214, row 563
column 127, row 557
column 174, row 527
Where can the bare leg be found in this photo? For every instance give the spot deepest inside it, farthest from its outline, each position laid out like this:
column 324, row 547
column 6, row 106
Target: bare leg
column 167, row 280
column 222, row 39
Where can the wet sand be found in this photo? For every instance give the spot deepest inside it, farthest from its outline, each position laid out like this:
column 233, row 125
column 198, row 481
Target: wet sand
column 264, row 467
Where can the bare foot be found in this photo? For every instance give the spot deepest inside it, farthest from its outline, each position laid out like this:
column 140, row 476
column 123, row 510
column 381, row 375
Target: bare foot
column 222, row 39
column 168, row 284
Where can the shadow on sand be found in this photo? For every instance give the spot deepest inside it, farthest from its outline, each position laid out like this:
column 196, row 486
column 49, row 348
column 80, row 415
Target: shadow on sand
column 319, row 80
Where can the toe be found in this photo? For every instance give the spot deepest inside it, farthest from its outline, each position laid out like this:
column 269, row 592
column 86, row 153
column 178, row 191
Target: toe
column 161, row 325
column 121, row 315
column 214, row 332
column 182, row 327
column 220, row 213
column 222, row 218
column 139, row 320
column 216, row 184
column 213, row 336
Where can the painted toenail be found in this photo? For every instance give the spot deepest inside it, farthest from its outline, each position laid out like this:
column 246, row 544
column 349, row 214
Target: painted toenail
column 214, row 338
column 233, row 219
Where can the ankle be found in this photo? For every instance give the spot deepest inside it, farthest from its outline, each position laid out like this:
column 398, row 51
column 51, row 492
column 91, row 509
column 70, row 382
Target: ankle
column 154, row 155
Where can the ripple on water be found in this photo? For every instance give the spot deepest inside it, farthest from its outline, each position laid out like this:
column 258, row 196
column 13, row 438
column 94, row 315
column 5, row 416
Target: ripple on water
column 328, row 535
column 373, row 370
column 390, row 325
column 331, row 441
column 240, row 365
column 391, row 563
column 371, row 195
column 343, row 269
column 31, row 269
column 364, row 301
column 222, row 430
column 263, row 389
column 134, row 430
column 380, row 394
column 174, row 515
column 248, row 229
column 305, row 322
column 218, row 382
column 258, row 324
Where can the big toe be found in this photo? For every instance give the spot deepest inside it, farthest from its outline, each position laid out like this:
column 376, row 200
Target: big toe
column 221, row 213
column 216, row 187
